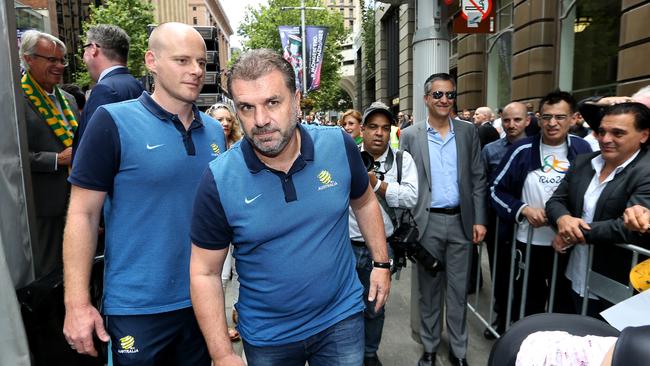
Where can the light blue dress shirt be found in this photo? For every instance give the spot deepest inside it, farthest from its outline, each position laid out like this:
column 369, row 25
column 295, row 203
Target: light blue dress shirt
column 444, row 169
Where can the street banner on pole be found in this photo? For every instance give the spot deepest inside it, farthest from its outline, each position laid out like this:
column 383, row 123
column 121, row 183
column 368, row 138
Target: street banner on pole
column 316, row 37
column 292, row 52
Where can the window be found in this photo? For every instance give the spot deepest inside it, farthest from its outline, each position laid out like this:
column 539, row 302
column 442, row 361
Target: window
column 194, row 8
column 499, row 68
column 589, row 47
column 351, row 23
column 195, row 21
column 500, row 71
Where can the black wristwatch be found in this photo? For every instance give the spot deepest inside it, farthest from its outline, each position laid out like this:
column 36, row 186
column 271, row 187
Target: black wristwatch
column 386, row 265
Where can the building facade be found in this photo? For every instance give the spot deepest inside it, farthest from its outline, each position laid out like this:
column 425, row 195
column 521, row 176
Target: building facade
column 170, row 11
column 586, row 47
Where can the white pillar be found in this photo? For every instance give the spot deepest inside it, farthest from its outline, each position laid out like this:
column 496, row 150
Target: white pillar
column 430, row 55
column 430, row 49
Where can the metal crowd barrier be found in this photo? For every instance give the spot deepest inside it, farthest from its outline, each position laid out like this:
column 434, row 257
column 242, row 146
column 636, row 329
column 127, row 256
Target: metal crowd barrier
column 595, row 284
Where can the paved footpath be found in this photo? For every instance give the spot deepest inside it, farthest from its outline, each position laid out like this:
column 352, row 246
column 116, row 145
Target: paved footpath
column 398, row 347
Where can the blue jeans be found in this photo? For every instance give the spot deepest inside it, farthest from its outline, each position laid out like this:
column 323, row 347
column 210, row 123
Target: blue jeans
column 339, row 345
column 373, row 321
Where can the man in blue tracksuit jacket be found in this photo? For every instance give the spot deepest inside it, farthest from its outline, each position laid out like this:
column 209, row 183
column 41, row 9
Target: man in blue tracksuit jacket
column 526, row 178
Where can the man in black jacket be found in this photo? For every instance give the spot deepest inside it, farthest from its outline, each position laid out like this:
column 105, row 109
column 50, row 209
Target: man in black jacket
column 588, row 205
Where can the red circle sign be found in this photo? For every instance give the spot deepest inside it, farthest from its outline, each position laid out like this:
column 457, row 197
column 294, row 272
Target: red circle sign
column 483, row 6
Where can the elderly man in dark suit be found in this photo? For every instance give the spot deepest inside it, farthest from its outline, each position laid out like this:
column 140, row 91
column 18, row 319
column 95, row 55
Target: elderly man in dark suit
column 105, row 54
column 450, row 213
column 588, row 205
column 51, row 118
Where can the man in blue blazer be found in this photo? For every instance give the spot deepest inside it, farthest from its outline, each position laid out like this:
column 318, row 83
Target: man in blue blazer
column 105, row 54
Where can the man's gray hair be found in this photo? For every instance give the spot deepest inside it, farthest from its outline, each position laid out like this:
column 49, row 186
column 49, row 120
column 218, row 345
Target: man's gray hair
column 254, row 64
column 441, row 76
column 112, row 41
column 28, row 43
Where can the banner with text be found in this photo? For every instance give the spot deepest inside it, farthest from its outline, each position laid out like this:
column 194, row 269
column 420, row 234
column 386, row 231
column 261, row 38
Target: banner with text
column 291, row 40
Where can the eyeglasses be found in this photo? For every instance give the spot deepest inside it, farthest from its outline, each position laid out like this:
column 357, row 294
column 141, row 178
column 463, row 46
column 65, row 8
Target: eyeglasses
column 53, row 60
column 438, row 94
column 558, row 117
column 90, row 44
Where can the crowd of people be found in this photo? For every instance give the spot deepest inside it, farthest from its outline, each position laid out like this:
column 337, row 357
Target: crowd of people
column 179, row 196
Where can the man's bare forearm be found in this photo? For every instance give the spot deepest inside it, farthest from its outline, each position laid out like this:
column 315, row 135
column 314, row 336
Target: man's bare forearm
column 368, row 213
column 79, row 246
column 208, row 303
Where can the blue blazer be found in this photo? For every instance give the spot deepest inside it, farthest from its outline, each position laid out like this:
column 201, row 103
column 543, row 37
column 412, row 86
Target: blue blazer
column 117, row 86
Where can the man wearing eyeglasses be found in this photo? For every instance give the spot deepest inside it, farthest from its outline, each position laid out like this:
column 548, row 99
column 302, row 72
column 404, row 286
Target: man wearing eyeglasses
column 526, row 178
column 450, row 213
column 105, row 54
column 51, row 118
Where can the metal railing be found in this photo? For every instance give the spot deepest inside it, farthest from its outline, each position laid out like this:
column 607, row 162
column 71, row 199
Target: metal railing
column 595, row 283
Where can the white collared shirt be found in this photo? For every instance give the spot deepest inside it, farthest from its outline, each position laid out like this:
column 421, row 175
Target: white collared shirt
column 106, row 71
column 577, row 268
column 403, row 195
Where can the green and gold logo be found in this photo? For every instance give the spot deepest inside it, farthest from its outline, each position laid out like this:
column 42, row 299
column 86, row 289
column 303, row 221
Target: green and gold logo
column 127, row 345
column 215, row 149
column 325, row 178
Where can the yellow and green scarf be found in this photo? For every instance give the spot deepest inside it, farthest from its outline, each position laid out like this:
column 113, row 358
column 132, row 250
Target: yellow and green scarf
column 63, row 125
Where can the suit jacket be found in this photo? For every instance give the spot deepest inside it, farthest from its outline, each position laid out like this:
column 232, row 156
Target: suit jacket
column 50, row 187
column 629, row 187
column 117, row 86
column 471, row 174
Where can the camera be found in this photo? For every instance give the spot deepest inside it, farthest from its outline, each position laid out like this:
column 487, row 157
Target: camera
column 404, row 243
column 372, row 165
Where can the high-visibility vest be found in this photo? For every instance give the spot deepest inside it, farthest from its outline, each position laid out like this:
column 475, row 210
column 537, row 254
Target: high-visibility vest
column 394, row 137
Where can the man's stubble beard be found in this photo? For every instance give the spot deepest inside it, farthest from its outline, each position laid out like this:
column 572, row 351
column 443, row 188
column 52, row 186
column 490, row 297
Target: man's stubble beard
column 274, row 151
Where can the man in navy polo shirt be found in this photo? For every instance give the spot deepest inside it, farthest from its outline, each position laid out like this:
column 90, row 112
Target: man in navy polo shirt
column 144, row 158
column 281, row 197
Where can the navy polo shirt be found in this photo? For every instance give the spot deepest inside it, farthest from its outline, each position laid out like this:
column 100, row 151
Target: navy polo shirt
column 150, row 167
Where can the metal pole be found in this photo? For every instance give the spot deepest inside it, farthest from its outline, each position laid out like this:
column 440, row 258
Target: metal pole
column 585, row 299
column 511, row 280
column 551, row 298
column 430, row 49
column 524, row 286
column 304, row 48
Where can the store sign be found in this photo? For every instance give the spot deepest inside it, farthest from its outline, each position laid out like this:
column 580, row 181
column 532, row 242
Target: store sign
column 476, row 16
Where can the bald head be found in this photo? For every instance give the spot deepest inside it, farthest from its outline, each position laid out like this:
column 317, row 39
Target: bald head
column 516, row 108
column 481, row 115
column 170, row 34
column 176, row 58
column 515, row 119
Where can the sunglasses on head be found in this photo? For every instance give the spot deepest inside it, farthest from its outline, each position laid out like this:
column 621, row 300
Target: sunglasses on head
column 438, row 94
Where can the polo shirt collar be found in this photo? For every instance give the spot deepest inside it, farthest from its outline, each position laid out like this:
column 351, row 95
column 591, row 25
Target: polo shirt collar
column 164, row 115
column 254, row 163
